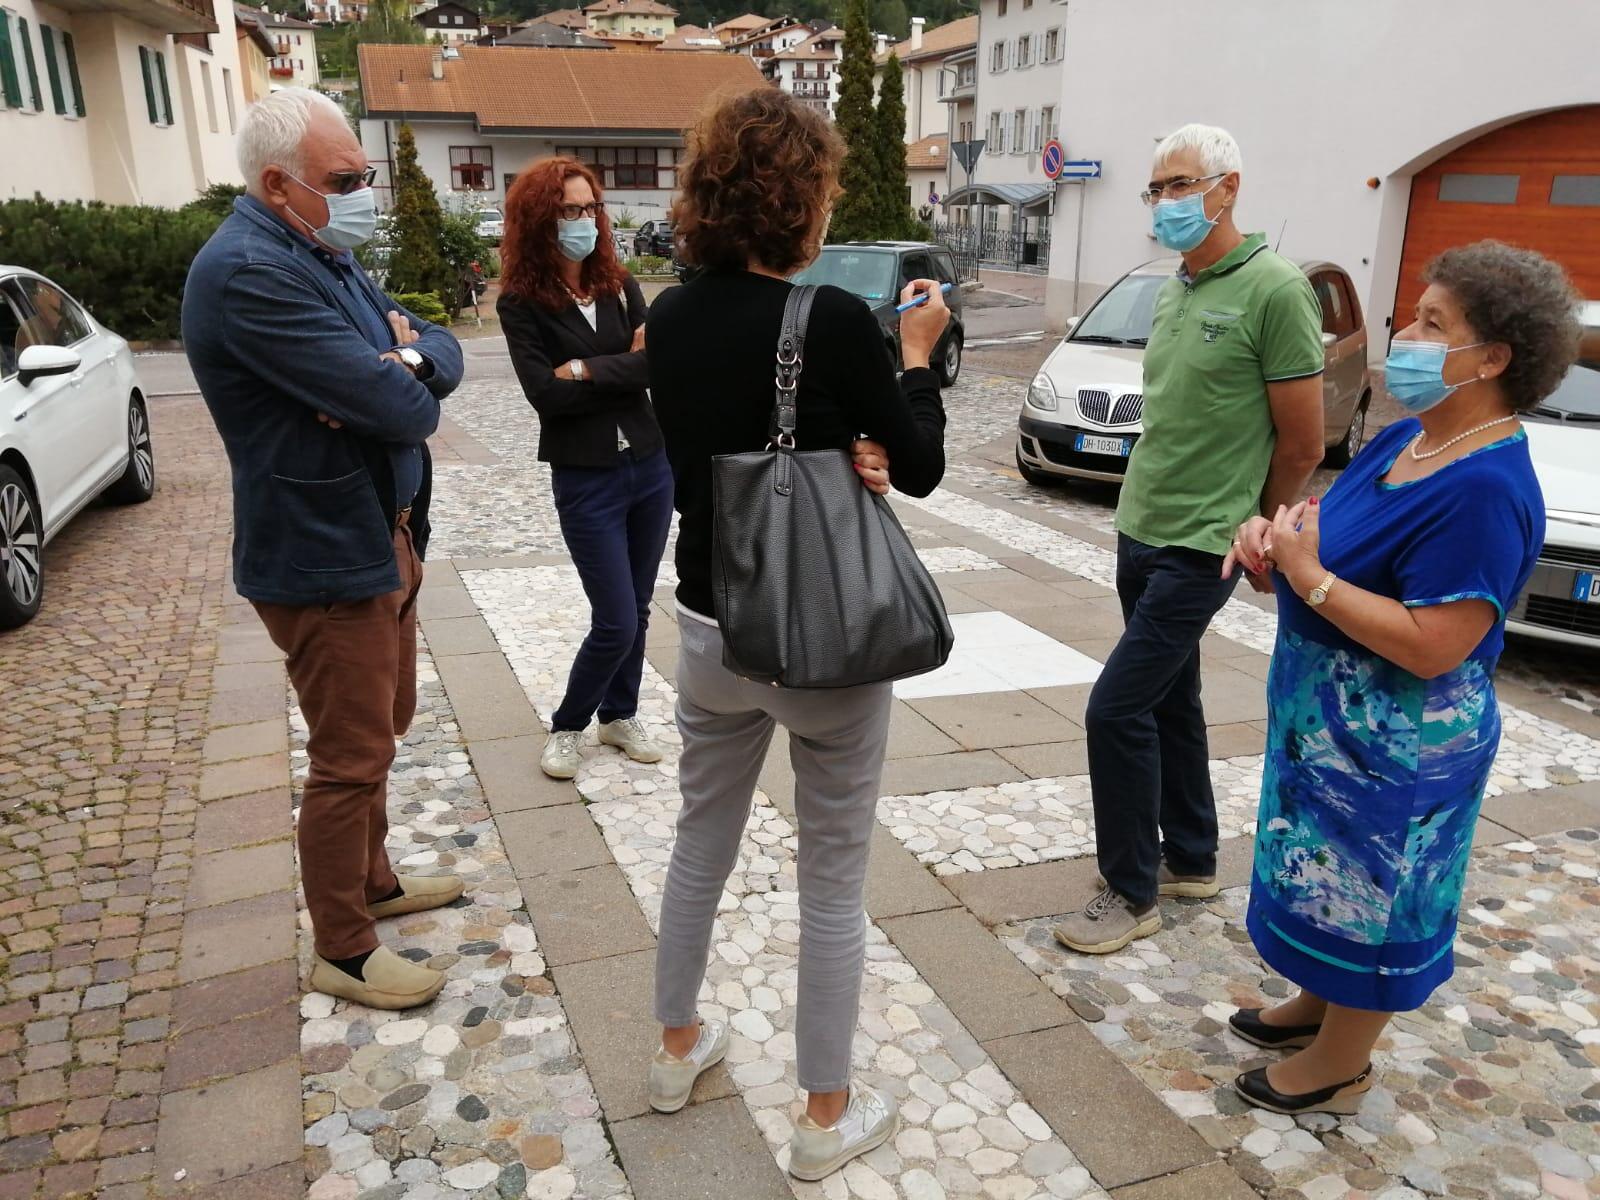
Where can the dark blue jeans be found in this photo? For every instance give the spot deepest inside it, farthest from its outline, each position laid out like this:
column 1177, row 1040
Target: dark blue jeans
column 615, row 522
column 1148, row 761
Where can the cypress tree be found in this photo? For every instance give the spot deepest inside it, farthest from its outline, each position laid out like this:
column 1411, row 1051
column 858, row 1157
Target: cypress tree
column 855, row 217
column 415, row 263
column 889, row 127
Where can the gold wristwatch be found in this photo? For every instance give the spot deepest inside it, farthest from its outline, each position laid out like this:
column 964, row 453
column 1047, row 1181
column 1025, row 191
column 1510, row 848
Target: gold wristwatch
column 1319, row 594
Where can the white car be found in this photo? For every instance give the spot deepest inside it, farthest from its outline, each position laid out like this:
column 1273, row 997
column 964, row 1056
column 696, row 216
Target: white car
column 73, row 425
column 1562, row 600
column 1083, row 411
column 491, row 225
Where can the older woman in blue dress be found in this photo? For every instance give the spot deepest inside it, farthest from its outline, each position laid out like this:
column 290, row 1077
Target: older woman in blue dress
column 1392, row 598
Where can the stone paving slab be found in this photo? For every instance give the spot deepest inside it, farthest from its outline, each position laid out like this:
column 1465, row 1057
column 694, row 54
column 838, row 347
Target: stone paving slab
column 609, row 1003
column 710, row 1151
column 588, row 914
column 234, row 936
column 1052, row 760
column 247, row 741
column 459, row 635
column 243, row 820
column 946, row 772
column 231, row 875
column 1211, row 1182
column 240, row 776
column 508, row 771
column 547, row 841
column 492, row 704
column 897, row 884
column 974, row 975
column 242, row 1125
column 996, row 719
column 1549, row 810
column 1123, row 1134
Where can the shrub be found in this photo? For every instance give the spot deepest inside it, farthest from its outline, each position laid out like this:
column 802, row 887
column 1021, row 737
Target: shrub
column 426, row 305
column 127, row 264
column 649, row 264
column 218, row 199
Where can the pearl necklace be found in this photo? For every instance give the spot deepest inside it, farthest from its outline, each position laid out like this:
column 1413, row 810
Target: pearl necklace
column 1460, row 437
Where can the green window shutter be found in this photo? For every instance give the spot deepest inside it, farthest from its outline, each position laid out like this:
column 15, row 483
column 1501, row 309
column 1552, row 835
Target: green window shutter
column 27, row 57
column 52, row 67
column 9, row 87
column 72, row 73
column 166, row 96
column 148, row 72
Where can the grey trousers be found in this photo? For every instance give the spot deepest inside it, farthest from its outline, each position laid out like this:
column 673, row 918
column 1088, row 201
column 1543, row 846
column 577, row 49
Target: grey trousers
column 837, row 741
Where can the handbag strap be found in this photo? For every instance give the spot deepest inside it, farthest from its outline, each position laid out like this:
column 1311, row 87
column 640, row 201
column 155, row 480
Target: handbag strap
column 791, row 360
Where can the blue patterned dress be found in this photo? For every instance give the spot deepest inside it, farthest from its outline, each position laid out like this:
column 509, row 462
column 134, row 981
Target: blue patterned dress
column 1373, row 775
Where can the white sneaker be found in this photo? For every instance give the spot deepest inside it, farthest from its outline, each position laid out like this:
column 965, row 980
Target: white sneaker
column 869, row 1120
column 560, row 758
column 672, row 1078
column 629, row 736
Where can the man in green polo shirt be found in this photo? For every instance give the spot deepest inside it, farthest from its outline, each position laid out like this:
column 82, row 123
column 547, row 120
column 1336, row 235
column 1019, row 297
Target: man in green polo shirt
column 1232, row 427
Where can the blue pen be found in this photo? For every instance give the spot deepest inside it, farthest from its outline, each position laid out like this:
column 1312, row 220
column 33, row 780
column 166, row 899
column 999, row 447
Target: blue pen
column 922, row 298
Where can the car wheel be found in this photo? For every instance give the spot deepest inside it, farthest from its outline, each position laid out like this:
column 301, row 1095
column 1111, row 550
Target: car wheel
column 138, row 483
column 1350, row 445
column 21, row 551
column 950, row 364
column 1029, row 475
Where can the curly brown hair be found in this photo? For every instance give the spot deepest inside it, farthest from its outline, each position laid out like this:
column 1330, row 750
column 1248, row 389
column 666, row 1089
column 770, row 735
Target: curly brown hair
column 1518, row 297
column 530, row 257
column 762, row 170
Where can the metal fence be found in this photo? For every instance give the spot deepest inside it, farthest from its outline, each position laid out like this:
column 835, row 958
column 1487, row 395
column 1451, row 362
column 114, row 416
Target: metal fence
column 1013, row 249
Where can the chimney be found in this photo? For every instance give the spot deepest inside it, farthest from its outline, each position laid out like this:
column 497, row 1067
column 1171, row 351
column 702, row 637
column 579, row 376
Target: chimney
column 880, row 42
column 436, row 63
column 916, row 32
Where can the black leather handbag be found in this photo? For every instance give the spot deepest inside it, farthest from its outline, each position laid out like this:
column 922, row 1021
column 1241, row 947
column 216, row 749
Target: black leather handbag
column 816, row 583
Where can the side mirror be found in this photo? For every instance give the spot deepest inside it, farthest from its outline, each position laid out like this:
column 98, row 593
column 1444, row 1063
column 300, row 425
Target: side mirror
column 37, row 362
column 1072, row 323
column 1330, row 340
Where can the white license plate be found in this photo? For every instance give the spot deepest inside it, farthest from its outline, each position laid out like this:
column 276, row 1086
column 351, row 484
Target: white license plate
column 1089, row 443
column 1586, row 587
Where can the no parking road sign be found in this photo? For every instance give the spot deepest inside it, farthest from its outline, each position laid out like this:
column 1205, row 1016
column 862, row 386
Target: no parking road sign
column 1052, row 159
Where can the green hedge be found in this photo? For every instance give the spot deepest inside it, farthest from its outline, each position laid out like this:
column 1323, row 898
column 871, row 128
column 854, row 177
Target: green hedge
column 426, row 305
column 127, row 264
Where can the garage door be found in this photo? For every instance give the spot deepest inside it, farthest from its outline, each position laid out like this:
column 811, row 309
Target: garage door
column 1535, row 183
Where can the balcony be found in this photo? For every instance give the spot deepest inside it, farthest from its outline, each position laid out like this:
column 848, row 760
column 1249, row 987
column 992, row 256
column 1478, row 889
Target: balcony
column 281, row 72
column 165, row 16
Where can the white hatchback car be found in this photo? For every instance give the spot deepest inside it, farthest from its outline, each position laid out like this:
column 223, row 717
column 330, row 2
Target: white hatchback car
column 1562, row 600
column 1083, row 412
column 73, row 425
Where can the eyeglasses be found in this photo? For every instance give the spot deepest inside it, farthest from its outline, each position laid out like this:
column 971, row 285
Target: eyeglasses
column 572, row 212
column 345, row 182
column 1174, row 188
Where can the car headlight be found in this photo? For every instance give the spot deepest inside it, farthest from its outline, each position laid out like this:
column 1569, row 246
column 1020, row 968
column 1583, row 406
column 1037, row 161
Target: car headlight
column 1042, row 394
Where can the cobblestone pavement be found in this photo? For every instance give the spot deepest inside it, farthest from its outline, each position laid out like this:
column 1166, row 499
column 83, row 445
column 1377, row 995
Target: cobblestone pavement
column 102, row 719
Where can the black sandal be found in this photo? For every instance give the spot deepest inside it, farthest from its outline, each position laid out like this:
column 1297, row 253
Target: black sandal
column 1247, row 1023
column 1343, row 1099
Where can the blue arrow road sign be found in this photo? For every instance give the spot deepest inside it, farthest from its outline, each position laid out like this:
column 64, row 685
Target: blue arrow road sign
column 1088, row 168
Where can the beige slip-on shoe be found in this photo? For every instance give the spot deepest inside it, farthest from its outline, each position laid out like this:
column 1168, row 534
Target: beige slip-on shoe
column 387, row 981
column 419, row 893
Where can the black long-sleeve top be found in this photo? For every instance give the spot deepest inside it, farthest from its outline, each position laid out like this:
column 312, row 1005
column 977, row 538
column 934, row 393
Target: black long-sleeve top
column 711, row 346
column 579, row 419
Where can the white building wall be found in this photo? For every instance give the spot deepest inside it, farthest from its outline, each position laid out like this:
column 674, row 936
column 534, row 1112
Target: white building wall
column 1033, row 87
column 45, row 152
column 1320, row 101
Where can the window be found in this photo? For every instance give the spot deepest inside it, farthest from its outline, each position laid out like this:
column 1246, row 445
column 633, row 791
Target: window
column 25, row 49
column 1019, row 131
column 227, row 93
column 157, row 97
column 10, row 80
column 1002, row 11
column 997, row 134
column 941, row 83
column 634, row 167
column 997, row 57
column 1478, row 189
column 1581, row 190
column 472, row 168
column 1038, row 134
column 1052, row 46
column 1047, row 122
column 1338, row 313
column 915, row 266
column 56, row 320
column 1025, row 50
column 10, row 327
column 211, row 100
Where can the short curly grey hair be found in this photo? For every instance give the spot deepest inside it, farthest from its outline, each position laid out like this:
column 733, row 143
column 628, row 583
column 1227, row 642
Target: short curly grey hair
column 1521, row 298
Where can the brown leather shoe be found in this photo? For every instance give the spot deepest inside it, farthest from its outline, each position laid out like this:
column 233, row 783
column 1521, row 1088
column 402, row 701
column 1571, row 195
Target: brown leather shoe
column 418, row 894
column 387, row 981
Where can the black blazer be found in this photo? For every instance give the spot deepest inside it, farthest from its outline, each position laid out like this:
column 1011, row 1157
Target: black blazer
column 578, row 421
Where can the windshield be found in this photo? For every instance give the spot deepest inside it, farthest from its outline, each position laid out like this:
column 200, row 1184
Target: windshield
column 487, row 214
column 1578, row 397
column 1122, row 316
column 865, row 273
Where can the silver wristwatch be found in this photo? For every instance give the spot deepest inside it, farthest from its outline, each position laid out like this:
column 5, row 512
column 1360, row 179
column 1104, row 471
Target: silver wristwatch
column 579, row 372
column 412, row 359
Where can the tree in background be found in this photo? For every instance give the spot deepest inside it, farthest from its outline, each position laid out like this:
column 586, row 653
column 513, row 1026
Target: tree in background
column 856, row 215
column 891, row 17
column 417, row 229
column 387, row 21
column 889, row 127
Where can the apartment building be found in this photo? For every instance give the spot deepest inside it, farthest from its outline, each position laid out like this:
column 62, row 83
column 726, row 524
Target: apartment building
column 631, row 19
column 295, row 41
column 1019, row 53
column 256, row 52
column 769, row 38
column 123, row 101
column 451, row 23
column 809, row 69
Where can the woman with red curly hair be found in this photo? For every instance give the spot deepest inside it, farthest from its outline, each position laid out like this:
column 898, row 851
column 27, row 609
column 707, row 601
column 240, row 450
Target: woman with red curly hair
column 574, row 323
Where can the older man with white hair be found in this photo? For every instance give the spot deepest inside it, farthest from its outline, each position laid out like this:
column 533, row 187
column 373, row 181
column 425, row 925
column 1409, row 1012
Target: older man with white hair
column 325, row 391
column 1232, row 428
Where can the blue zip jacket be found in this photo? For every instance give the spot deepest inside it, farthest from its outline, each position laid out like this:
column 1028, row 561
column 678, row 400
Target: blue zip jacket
column 274, row 338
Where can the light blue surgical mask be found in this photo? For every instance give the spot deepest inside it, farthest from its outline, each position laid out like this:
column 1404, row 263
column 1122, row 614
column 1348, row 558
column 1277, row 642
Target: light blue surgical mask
column 352, row 217
column 1182, row 225
column 577, row 238
column 1414, row 374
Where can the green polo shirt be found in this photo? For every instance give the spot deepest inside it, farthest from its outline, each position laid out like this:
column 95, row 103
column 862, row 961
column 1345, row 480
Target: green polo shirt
column 1218, row 339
